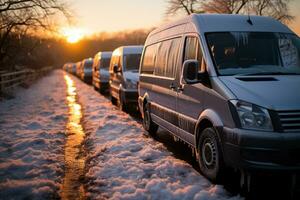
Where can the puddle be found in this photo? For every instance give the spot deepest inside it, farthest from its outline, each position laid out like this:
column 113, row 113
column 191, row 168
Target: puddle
column 72, row 187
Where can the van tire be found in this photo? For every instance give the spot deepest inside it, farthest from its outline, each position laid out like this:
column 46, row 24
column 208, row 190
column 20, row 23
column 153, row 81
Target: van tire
column 122, row 104
column 102, row 90
column 210, row 155
column 148, row 124
column 113, row 100
column 95, row 88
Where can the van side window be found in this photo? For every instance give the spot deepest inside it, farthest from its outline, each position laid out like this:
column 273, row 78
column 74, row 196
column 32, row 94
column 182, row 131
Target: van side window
column 149, row 59
column 173, row 58
column 193, row 50
column 190, row 49
column 162, row 58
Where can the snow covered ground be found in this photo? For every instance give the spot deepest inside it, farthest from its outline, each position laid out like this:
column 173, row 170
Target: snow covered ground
column 124, row 163
column 32, row 140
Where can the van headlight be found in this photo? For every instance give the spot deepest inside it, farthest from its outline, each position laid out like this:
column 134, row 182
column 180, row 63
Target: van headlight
column 130, row 84
column 252, row 116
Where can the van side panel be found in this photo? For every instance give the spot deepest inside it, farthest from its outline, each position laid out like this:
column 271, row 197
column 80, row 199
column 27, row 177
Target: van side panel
column 115, row 77
column 160, row 82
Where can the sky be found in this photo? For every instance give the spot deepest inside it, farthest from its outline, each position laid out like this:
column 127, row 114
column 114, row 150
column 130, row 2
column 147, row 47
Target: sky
column 115, row 15
column 94, row 16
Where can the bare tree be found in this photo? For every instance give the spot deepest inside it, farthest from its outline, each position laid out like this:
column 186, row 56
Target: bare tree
column 21, row 17
column 187, row 6
column 224, row 6
column 277, row 9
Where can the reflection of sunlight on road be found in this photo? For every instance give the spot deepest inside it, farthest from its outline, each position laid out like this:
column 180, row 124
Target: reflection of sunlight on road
column 74, row 161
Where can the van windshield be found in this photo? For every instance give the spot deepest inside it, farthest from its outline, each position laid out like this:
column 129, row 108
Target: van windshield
column 105, row 63
column 132, row 62
column 255, row 53
column 88, row 64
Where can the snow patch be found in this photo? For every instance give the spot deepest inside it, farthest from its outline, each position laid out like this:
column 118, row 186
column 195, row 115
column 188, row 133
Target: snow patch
column 124, row 163
column 32, row 140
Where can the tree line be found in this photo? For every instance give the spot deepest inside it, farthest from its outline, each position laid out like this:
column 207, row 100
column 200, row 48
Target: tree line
column 103, row 42
column 24, row 24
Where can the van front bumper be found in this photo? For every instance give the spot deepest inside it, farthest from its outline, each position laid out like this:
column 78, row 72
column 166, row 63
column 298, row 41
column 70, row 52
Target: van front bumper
column 258, row 150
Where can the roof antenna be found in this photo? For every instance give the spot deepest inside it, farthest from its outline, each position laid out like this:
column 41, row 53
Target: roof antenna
column 249, row 19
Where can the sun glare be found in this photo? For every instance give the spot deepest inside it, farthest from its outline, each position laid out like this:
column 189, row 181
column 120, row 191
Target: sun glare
column 72, row 35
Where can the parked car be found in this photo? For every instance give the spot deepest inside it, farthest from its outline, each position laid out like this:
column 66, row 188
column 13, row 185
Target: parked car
column 227, row 85
column 65, row 66
column 78, row 68
column 86, row 72
column 124, row 74
column 72, row 68
column 101, row 71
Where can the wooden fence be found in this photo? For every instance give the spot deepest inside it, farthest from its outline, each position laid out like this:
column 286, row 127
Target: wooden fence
column 10, row 80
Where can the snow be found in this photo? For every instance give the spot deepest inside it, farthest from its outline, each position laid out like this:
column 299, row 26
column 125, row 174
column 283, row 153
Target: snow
column 32, row 140
column 122, row 161
column 125, row 163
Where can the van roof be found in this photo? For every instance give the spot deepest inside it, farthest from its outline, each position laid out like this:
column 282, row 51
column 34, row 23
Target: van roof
column 137, row 49
column 204, row 23
column 88, row 60
column 104, row 54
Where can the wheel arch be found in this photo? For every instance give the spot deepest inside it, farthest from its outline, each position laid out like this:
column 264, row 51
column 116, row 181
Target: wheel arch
column 142, row 102
column 207, row 119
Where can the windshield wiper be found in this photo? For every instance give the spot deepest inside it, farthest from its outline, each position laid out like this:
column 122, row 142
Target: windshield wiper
column 268, row 73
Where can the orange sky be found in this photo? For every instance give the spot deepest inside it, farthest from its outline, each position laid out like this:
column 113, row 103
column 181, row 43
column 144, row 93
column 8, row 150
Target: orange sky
column 114, row 15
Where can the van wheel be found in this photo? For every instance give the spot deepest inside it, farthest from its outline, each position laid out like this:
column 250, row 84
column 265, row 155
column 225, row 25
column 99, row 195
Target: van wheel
column 95, row 88
column 113, row 100
column 102, row 90
column 122, row 105
column 210, row 156
column 148, row 124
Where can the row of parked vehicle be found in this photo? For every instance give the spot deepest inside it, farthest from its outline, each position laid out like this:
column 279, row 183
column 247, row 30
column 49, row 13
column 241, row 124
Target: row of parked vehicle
column 116, row 73
column 224, row 84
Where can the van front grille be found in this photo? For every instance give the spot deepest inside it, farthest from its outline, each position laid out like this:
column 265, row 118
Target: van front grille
column 290, row 120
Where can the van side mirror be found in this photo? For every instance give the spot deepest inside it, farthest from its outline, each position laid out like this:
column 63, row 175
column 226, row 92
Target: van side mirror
column 116, row 68
column 190, row 72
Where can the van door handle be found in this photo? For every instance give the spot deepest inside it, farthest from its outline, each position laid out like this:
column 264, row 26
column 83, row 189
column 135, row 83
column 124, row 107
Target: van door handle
column 172, row 86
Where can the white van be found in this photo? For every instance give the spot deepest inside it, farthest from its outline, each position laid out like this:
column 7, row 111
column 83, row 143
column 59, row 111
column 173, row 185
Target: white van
column 124, row 75
column 229, row 86
column 101, row 71
column 86, row 72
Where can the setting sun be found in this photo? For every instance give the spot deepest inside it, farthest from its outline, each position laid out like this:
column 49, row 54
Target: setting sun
column 72, row 35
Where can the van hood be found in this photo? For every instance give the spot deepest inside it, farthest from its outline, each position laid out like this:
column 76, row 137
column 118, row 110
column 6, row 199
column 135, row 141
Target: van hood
column 273, row 92
column 133, row 76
